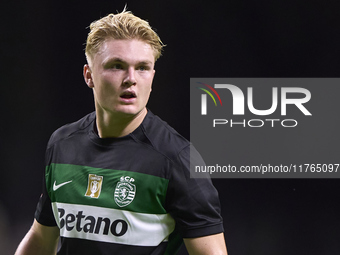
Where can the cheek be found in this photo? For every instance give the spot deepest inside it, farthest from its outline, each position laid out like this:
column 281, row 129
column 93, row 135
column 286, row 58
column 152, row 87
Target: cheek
column 145, row 95
column 147, row 91
column 107, row 85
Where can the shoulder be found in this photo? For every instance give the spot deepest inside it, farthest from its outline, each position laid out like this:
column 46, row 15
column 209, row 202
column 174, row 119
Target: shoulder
column 163, row 137
column 72, row 128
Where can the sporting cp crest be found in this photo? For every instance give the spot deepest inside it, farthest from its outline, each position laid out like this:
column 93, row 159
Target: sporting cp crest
column 94, row 186
column 125, row 191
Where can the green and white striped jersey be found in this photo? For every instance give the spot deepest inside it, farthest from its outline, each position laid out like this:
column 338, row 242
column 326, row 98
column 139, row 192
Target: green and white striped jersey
column 128, row 195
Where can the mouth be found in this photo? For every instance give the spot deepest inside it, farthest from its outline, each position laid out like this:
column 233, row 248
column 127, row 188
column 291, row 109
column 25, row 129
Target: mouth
column 128, row 95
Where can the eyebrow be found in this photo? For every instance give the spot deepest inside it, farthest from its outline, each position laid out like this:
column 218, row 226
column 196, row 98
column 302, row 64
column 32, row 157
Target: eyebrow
column 115, row 60
column 119, row 60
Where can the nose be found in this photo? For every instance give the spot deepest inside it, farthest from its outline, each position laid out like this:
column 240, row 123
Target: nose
column 130, row 78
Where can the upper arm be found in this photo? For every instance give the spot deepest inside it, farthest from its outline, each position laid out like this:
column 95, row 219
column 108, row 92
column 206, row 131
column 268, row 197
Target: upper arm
column 40, row 239
column 193, row 202
column 206, row 245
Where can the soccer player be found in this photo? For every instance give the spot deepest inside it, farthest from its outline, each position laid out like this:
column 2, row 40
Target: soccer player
column 118, row 181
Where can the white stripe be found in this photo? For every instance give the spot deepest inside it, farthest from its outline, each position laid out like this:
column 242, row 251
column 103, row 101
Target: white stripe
column 142, row 229
column 203, row 104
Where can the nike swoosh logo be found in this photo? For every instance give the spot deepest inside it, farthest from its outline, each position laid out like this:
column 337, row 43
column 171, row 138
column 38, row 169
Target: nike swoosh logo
column 55, row 187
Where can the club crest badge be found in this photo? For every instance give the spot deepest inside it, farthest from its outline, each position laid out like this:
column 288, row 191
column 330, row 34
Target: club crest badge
column 125, row 191
column 94, row 186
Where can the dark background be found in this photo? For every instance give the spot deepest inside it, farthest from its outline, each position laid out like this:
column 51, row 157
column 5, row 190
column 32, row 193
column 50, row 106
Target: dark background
column 42, row 88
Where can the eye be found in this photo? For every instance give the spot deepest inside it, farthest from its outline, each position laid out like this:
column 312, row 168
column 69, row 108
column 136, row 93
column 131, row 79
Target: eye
column 117, row 66
column 143, row 68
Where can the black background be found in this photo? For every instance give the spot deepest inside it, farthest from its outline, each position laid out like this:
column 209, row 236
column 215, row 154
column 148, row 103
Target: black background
column 42, row 88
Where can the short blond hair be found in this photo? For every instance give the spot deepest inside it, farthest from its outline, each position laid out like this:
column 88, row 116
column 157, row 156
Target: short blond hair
column 123, row 25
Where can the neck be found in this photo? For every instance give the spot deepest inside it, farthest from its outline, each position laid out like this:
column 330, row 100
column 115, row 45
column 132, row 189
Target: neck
column 117, row 125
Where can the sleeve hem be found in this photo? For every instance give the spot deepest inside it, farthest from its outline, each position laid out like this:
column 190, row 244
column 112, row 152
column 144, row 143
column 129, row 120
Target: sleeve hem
column 203, row 231
column 45, row 222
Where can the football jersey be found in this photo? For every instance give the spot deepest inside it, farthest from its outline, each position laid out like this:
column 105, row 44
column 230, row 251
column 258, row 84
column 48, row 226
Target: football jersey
column 128, row 195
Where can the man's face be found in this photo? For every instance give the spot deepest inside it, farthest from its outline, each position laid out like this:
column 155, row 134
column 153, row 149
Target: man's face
column 121, row 75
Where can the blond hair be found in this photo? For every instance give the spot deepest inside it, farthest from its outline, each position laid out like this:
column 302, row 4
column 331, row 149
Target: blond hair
column 123, row 25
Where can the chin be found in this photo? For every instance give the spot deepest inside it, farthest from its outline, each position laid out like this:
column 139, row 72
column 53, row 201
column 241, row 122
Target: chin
column 129, row 111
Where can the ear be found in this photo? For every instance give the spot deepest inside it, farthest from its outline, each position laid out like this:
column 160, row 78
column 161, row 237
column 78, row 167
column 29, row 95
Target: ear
column 88, row 76
column 154, row 71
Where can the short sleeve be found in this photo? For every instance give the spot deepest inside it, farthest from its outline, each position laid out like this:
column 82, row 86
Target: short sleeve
column 43, row 213
column 193, row 203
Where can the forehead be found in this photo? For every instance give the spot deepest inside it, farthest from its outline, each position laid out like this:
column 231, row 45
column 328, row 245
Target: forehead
column 128, row 50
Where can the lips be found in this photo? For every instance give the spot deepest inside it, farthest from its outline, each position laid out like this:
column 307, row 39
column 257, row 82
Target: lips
column 128, row 95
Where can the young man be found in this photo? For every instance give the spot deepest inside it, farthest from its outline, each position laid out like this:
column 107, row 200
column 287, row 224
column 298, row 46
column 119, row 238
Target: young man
column 118, row 180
